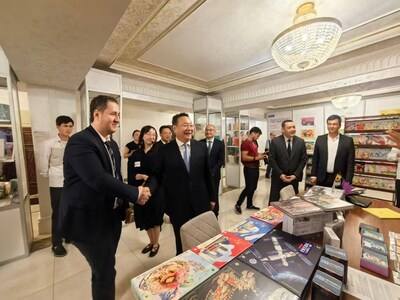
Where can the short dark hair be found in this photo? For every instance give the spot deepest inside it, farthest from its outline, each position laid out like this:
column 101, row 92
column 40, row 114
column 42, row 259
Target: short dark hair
column 64, row 120
column 100, row 103
column 334, row 117
column 136, row 130
column 286, row 121
column 256, row 130
column 143, row 131
column 164, row 127
column 177, row 116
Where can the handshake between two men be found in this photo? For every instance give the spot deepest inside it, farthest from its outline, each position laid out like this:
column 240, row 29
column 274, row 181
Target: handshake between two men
column 144, row 195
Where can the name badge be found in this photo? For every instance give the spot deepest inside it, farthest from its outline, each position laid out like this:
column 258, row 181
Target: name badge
column 137, row 164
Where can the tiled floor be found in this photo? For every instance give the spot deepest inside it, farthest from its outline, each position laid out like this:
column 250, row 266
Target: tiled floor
column 42, row 276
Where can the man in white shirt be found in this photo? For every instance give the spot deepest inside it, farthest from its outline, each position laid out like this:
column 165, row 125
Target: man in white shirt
column 333, row 154
column 53, row 156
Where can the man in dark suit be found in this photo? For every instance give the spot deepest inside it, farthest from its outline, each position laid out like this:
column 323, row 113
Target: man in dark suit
column 288, row 157
column 94, row 198
column 184, row 171
column 272, row 135
column 216, row 152
column 333, row 154
column 165, row 135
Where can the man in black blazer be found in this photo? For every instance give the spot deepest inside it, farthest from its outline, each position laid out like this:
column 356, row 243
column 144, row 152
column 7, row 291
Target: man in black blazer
column 288, row 157
column 333, row 154
column 165, row 135
column 94, row 198
column 183, row 170
column 216, row 156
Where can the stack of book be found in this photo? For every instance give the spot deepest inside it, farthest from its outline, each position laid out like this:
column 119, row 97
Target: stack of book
column 328, row 199
column 374, row 252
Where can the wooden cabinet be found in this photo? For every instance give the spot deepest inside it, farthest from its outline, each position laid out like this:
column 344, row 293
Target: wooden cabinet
column 372, row 169
column 30, row 163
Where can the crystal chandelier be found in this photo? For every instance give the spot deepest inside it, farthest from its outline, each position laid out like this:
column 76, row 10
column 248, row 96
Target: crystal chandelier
column 308, row 43
column 346, row 101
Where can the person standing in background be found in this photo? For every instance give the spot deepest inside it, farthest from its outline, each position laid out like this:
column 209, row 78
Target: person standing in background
column 165, row 135
column 288, row 157
column 52, row 167
column 216, row 152
column 94, row 198
column 394, row 155
column 182, row 168
column 128, row 151
column 148, row 217
column 333, row 154
column 251, row 161
column 267, row 146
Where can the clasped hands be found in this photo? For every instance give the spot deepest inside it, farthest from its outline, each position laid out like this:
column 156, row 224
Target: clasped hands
column 144, row 195
column 287, row 178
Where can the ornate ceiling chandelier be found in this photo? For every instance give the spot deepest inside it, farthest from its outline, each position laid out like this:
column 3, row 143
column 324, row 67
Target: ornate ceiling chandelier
column 344, row 102
column 308, row 43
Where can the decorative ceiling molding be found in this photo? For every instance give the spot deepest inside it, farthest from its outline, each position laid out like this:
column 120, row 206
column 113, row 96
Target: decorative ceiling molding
column 376, row 66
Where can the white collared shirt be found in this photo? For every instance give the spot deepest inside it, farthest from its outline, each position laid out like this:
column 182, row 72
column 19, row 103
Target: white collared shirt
column 332, row 151
column 182, row 148
column 286, row 141
column 212, row 143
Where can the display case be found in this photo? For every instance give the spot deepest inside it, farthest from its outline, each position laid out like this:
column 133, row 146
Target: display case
column 308, row 169
column 237, row 127
column 207, row 111
column 372, row 169
column 16, row 232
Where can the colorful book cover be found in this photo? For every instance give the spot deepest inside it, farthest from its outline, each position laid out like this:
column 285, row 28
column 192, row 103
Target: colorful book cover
column 221, row 249
column 297, row 208
column 317, row 190
column 270, row 214
column 286, row 259
column 173, row 278
column 374, row 245
column 375, row 262
column 238, row 281
column 251, row 229
column 327, row 198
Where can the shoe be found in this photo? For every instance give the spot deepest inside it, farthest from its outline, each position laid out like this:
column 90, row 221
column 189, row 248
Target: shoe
column 147, row 248
column 67, row 241
column 253, row 207
column 59, row 251
column 238, row 209
column 267, row 177
column 154, row 250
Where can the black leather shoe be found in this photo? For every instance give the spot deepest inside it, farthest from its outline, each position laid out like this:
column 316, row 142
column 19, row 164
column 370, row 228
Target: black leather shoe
column 59, row 250
column 253, row 207
column 147, row 248
column 154, row 250
column 238, row 209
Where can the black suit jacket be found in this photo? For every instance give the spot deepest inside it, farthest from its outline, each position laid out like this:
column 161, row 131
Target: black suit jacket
column 186, row 194
column 216, row 157
column 90, row 189
column 344, row 161
column 283, row 164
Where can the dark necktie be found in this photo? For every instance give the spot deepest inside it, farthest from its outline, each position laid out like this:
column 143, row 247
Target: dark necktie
column 289, row 148
column 209, row 147
column 111, row 154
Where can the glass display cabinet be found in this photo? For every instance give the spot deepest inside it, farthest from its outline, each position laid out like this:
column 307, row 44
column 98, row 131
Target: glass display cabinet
column 16, row 234
column 207, row 111
column 236, row 127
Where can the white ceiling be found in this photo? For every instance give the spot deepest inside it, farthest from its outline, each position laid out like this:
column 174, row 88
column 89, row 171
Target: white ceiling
column 204, row 46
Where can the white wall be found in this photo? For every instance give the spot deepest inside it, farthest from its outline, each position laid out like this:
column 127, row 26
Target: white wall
column 46, row 105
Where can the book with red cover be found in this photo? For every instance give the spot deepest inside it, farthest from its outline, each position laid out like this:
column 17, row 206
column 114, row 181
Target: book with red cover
column 221, row 249
column 270, row 214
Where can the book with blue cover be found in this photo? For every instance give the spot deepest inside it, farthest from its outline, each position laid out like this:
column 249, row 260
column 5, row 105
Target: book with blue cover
column 238, row 281
column 286, row 259
column 251, row 229
column 173, row 278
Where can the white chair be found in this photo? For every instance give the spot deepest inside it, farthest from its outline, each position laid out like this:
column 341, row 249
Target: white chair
column 287, row 192
column 199, row 230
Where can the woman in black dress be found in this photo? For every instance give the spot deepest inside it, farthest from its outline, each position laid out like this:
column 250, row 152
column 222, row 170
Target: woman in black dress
column 128, row 151
column 148, row 217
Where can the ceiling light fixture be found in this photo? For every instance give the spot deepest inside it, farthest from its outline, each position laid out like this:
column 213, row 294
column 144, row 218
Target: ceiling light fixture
column 344, row 102
column 308, row 43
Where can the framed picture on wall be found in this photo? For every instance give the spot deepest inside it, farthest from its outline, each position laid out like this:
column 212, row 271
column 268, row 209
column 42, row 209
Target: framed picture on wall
column 5, row 113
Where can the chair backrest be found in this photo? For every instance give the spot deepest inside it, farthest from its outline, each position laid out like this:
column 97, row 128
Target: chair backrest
column 199, row 230
column 287, row 192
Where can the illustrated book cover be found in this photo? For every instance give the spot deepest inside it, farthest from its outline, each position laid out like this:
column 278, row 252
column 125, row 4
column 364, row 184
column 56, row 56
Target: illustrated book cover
column 327, row 198
column 270, row 214
column 286, row 259
column 238, row 281
column 221, row 249
column 251, row 229
column 297, row 208
column 173, row 278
